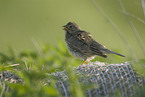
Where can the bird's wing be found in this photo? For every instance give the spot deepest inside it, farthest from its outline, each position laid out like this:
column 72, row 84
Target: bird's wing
column 77, row 41
column 97, row 48
column 88, row 43
column 83, row 36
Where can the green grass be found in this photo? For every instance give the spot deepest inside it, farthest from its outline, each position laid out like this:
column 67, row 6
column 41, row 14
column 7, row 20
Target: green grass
column 35, row 69
column 32, row 68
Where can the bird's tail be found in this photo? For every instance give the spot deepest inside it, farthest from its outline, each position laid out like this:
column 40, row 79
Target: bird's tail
column 117, row 54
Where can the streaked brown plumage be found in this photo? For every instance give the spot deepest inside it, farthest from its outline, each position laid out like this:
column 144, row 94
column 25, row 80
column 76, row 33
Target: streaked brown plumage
column 81, row 44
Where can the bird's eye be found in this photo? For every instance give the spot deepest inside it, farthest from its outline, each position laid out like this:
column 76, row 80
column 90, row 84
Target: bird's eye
column 70, row 26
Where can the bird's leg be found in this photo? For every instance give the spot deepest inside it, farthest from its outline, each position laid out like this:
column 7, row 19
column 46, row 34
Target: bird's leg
column 87, row 62
column 83, row 62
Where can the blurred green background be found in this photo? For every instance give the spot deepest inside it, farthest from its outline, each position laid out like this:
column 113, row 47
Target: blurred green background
column 42, row 20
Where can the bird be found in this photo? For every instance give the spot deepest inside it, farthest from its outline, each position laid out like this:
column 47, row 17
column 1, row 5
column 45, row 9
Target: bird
column 81, row 44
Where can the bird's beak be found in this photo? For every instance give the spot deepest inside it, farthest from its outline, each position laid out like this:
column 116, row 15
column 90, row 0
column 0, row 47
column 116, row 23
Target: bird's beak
column 64, row 27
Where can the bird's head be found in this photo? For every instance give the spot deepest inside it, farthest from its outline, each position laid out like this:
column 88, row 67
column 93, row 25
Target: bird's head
column 71, row 27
